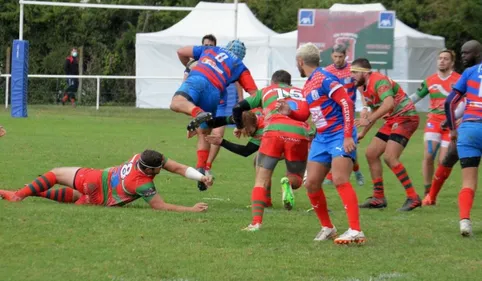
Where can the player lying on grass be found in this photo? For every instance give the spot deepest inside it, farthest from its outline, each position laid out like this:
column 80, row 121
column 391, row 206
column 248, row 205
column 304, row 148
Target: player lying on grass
column 115, row 186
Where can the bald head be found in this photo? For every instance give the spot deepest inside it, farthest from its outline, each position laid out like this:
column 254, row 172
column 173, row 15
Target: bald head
column 471, row 53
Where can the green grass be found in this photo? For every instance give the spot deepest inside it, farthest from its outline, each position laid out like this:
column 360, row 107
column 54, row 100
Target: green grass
column 44, row 240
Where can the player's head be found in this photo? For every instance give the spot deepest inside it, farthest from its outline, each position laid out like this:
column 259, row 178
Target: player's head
column 209, row 40
column 360, row 70
column 471, row 53
column 446, row 60
column 237, row 48
column 338, row 55
column 74, row 52
column 307, row 57
column 151, row 162
column 250, row 123
column 281, row 77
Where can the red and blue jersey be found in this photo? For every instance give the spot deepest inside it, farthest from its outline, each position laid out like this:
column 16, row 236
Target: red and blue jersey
column 220, row 67
column 326, row 113
column 470, row 85
column 344, row 75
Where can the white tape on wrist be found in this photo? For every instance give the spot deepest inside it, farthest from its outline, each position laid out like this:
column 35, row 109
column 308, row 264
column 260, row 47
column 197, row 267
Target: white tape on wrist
column 193, row 174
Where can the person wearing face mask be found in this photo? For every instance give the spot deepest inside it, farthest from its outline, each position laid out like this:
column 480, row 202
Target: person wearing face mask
column 71, row 67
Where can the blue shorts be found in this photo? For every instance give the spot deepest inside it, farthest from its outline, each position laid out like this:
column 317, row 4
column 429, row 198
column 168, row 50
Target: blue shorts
column 222, row 108
column 469, row 142
column 325, row 147
column 202, row 92
column 229, row 99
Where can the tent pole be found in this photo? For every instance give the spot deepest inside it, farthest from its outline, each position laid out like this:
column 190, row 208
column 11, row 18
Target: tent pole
column 235, row 19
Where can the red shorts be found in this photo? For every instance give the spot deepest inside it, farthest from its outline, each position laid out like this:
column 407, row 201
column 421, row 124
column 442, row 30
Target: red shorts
column 89, row 182
column 404, row 126
column 435, row 132
column 294, row 149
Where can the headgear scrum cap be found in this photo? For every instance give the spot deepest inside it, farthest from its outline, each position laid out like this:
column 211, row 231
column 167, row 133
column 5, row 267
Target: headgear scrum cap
column 237, row 48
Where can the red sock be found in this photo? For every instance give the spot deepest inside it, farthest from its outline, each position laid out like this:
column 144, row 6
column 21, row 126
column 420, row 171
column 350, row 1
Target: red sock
column 402, row 176
column 63, row 195
column 348, row 196
column 39, row 185
column 195, row 111
column 378, row 188
column 356, row 167
column 466, row 199
column 441, row 175
column 329, row 176
column 318, row 202
column 258, row 203
column 208, row 165
column 202, row 157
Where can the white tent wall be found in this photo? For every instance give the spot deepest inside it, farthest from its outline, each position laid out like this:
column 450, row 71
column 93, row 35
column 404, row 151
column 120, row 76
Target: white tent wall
column 415, row 53
column 156, row 52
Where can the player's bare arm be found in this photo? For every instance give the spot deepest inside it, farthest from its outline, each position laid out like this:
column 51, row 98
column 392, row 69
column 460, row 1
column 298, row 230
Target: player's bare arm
column 387, row 105
column 239, row 91
column 157, row 203
column 366, row 110
column 187, row 172
column 185, row 54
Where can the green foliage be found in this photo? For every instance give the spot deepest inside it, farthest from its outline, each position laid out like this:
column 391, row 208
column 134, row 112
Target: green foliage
column 108, row 36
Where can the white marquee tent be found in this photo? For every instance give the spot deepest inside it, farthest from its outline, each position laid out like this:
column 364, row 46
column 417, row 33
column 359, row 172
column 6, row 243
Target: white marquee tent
column 415, row 54
column 156, row 52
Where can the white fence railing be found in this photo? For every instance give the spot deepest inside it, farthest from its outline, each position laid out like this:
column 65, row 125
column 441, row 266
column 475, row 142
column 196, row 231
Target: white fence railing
column 99, row 77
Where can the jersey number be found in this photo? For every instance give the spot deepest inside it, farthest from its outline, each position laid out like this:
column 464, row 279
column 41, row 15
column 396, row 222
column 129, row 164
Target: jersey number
column 126, row 170
column 221, row 57
column 283, row 94
column 318, row 118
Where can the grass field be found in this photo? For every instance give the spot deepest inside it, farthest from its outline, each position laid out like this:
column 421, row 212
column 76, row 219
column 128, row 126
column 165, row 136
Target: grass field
column 44, row 240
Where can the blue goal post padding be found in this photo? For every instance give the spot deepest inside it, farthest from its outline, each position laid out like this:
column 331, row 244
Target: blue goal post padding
column 19, row 81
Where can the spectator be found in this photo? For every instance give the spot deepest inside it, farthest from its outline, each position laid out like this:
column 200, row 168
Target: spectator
column 71, row 67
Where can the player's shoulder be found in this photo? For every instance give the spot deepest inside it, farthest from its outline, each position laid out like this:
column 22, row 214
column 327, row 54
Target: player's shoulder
column 455, row 75
column 329, row 68
column 476, row 69
column 296, row 88
column 324, row 74
column 377, row 77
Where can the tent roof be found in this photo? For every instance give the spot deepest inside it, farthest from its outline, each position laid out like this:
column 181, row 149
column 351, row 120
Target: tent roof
column 287, row 39
column 358, row 7
column 216, row 19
